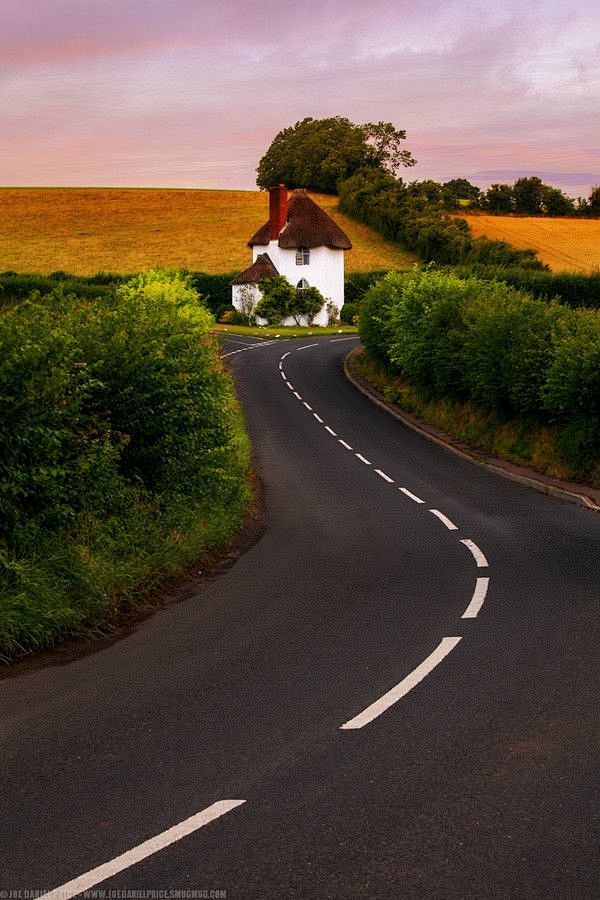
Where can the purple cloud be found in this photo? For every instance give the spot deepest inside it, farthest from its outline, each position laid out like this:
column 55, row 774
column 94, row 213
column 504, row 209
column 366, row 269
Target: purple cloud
column 190, row 93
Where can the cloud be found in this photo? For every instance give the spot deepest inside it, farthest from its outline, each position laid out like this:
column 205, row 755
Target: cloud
column 151, row 91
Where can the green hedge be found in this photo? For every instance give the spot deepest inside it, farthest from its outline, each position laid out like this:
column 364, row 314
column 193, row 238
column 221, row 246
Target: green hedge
column 408, row 214
column 483, row 341
column 122, row 452
column 572, row 288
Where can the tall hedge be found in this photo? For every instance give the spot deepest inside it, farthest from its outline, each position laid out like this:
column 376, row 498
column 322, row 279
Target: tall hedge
column 409, row 215
column 485, row 342
column 122, row 452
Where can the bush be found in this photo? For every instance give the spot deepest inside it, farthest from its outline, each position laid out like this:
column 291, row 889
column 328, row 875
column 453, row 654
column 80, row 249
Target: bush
column 348, row 313
column 480, row 341
column 122, row 453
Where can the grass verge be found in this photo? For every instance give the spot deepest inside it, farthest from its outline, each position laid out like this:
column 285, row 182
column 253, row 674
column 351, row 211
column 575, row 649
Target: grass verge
column 288, row 331
column 522, row 441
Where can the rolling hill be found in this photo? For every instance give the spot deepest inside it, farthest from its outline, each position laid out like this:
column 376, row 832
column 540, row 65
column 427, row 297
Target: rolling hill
column 86, row 230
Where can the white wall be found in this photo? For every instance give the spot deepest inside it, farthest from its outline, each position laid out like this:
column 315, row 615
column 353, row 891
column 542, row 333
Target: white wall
column 325, row 272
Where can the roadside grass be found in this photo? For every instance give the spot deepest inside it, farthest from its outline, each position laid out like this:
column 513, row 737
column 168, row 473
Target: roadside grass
column 284, row 332
column 521, row 441
column 87, row 230
column 565, row 244
column 105, row 571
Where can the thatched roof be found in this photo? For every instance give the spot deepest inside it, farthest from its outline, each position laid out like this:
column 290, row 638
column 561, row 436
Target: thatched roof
column 261, row 268
column 307, row 226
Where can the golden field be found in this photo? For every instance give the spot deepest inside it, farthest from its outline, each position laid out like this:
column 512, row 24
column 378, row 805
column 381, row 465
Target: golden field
column 87, row 230
column 563, row 244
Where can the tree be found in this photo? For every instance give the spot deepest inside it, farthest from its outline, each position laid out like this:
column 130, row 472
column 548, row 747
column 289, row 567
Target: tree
column 318, row 153
column 277, row 299
column 306, row 304
column 593, row 207
column 529, row 195
column 458, row 189
column 556, row 203
column 499, row 198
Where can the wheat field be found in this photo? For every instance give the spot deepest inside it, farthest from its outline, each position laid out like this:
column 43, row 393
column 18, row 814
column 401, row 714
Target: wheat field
column 563, row 244
column 87, row 230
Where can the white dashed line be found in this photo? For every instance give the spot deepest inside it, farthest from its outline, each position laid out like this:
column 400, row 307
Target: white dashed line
column 337, row 340
column 384, row 476
column 131, row 857
column 478, row 556
column 362, row 459
column 245, row 349
column 297, row 395
column 476, row 603
column 307, row 406
column 306, row 347
column 318, row 418
column 412, row 496
column 446, row 521
column 406, row 685
column 290, row 385
column 285, row 354
column 344, row 444
column 331, row 431
column 283, row 376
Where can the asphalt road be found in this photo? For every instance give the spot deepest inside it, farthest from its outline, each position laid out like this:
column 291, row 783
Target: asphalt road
column 478, row 777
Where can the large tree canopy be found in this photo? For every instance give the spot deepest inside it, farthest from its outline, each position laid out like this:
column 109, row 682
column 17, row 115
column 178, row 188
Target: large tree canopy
column 318, row 153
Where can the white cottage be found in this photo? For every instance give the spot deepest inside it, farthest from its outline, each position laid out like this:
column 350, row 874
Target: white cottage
column 299, row 241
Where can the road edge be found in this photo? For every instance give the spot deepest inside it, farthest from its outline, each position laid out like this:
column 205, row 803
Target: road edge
column 539, row 482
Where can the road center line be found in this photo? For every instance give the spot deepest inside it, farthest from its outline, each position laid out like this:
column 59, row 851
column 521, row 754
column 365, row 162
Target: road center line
column 407, row 684
column 481, row 586
column 131, row 857
column 331, row 431
column 306, row 346
column 249, row 347
column 318, row 418
column 362, row 459
column 344, row 444
column 337, row 340
column 480, row 559
column 449, row 525
column 384, row 476
column 412, row 496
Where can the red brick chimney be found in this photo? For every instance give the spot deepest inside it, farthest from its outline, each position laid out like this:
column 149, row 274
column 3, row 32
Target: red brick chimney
column 278, row 209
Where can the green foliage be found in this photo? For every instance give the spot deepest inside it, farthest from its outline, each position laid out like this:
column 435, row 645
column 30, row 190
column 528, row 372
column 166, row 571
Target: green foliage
column 356, row 284
column 348, row 313
column 306, row 304
column 277, row 299
column 528, row 196
column 484, row 342
column 122, row 453
column 414, row 215
column 317, row 153
column 280, row 300
column 571, row 288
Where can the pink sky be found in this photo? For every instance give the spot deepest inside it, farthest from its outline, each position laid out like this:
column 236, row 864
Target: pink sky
column 189, row 93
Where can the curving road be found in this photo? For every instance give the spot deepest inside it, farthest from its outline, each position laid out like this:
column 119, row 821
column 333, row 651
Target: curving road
column 394, row 693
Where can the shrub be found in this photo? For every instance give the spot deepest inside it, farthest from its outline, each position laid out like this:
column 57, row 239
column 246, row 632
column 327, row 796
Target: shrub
column 121, row 452
column 485, row 342
column 348, row 313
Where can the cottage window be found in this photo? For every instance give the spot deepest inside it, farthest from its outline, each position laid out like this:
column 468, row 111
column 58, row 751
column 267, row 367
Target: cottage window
column 302, row 284
column 302, row 256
